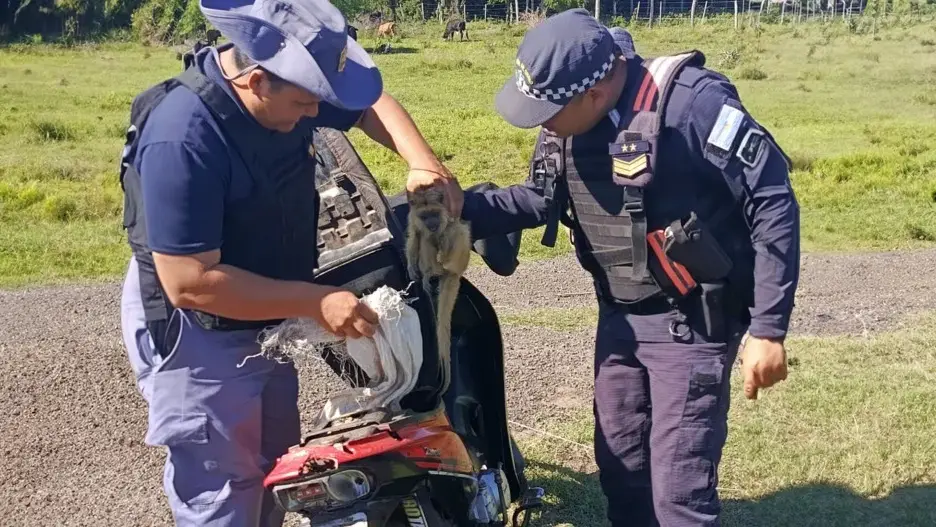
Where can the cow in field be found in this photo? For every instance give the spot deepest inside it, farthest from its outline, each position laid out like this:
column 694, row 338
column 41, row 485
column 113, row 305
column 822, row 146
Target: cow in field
column 455, row 26
column 387, row 29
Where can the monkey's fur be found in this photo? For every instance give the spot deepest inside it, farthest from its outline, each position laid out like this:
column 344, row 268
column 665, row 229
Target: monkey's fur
column 438, row 246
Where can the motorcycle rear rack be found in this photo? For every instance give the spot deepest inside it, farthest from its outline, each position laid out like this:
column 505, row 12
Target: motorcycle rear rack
column 364, row 424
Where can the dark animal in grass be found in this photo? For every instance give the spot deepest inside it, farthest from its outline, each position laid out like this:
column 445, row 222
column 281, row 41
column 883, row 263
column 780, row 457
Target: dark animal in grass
column 454, row 26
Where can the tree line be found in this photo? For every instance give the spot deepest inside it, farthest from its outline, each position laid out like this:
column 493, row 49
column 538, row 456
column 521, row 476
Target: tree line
column 174, row 21
column 164, row 21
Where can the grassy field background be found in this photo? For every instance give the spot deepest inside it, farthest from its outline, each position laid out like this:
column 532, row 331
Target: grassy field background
column 847, row 441
column 856, row 113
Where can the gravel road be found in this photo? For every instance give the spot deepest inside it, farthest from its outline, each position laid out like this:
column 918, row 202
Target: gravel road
column 72, row 423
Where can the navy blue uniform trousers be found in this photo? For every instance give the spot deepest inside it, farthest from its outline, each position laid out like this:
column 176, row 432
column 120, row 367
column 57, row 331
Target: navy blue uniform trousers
column 661, row 405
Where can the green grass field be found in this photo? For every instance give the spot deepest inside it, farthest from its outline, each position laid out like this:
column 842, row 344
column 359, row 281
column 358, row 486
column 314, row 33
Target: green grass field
column 846, row 440
column 856, row 113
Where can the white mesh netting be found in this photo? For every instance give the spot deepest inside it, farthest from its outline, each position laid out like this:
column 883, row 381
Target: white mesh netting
column 391, row 358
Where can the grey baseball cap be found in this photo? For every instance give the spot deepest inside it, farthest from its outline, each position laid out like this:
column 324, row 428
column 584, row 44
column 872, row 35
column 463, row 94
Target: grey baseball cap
column 563, row 56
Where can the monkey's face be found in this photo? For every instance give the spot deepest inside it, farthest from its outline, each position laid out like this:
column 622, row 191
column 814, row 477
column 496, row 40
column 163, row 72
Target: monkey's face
column 429, row 208
column 432, row 218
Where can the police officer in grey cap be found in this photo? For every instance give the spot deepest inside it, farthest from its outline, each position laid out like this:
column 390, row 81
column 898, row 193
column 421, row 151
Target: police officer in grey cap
column 682, row 211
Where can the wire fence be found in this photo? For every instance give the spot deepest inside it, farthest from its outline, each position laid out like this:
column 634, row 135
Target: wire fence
column 649, row 11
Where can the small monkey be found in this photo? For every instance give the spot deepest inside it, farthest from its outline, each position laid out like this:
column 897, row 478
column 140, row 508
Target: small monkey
column 438, row 246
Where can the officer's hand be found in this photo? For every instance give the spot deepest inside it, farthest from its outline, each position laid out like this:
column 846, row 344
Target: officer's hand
column 438, row 176
column 763, row 364
column 346, row 316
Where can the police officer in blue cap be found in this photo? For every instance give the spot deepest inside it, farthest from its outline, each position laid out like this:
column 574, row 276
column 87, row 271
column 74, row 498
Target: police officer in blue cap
column 221, row 212
column 681, row 209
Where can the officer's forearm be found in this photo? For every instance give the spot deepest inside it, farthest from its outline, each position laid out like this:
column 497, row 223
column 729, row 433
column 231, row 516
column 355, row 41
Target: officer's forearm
column 199, row 282
column 775, row 235
column 389, row 124
column 504, row 210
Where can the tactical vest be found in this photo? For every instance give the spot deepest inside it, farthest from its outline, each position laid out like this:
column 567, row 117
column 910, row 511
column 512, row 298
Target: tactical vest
column 276, row 223
column 598, row 190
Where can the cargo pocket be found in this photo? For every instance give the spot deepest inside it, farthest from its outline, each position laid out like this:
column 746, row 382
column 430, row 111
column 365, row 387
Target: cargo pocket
column 177, row 422
column 700, row 437
column 695, row 477
column 173, row 418
column 705, row 385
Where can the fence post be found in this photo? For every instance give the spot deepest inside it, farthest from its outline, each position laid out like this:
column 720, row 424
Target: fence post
column 692, row 14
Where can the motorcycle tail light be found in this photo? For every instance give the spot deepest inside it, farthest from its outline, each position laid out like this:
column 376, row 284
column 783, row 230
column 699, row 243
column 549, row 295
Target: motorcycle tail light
column 297, row 496
column 335, row 490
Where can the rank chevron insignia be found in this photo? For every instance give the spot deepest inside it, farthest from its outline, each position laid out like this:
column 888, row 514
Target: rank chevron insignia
column 629, row 167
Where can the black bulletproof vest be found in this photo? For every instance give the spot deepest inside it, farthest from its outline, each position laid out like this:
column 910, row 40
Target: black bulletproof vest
column 272, row 232
column 618, row 188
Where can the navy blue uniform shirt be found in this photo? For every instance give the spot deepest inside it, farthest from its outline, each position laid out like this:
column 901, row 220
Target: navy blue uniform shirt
column 190, row 172
column 768, row 200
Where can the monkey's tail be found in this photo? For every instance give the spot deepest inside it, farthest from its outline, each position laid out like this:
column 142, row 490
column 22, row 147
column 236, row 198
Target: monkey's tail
column 449, row 285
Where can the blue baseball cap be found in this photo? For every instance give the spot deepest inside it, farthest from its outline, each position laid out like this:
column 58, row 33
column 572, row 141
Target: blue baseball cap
column 563, row 56
column 302, row 41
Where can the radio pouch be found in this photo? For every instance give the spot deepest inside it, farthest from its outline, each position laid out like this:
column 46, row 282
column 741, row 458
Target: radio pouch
column 693, row 246
column 672, row 276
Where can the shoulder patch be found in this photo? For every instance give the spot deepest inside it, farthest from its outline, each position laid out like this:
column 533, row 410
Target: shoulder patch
column 750, row 148
column 726, row 128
